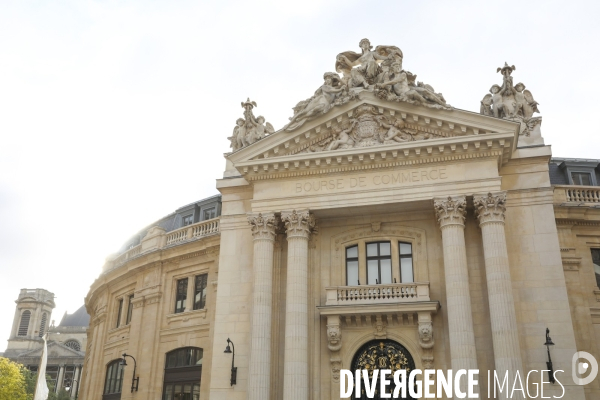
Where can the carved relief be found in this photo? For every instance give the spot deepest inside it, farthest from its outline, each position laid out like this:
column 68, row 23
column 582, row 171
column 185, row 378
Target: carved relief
column 336, row 365
column 380, row 328
column 426, row 335
column 515, row 103
column 300, row 223
column 379, row 71
column 451, row 210
column 249, row 129
column 490, row 207
column 334, row 337
column 263, row 227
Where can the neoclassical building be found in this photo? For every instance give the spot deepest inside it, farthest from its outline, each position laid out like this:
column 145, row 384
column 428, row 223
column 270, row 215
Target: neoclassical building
column 380, row 228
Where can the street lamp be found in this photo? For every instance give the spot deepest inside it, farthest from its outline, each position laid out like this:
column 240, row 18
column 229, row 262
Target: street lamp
column 233, row 368
column 134, row 381
column 549, row 362
column 69, row 385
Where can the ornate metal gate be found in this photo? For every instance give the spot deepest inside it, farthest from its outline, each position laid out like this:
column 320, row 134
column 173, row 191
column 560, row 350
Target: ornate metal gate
column 382, row 354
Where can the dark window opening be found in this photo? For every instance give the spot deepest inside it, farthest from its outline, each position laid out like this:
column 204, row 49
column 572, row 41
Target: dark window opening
column 200, row 292
column 114, row 381
column 129, row 310
column 181, row 295
column 352, row 278
column 581, row 178
column 406, row 262
column 188, row 220
column 119, row 312
column 183, row 370
column 24, row 325
column 379, row 263
column 596, row 261
column 209, row 214
column 43, row 324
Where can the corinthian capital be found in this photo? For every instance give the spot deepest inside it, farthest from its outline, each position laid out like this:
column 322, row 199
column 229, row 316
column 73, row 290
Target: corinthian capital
column 451, row 210
column 298, row 223
column 263, row 226
column 490, row 207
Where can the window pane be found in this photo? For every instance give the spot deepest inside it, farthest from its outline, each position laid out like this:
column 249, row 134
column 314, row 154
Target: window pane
column 405, row 248
column 372, row 250
column 187, row 392
column 177, row 391
column 200, row 292
column 119, row 313
column 596, row 261
column 352, row 273
column 384, row 249
column 168, row 392
column 196, row 392
column 352, row 252
column 386, row 271
column 372, row 272
column 181, row 295
column 406, row 270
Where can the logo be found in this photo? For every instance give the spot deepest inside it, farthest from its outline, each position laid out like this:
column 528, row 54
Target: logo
column 580, row 368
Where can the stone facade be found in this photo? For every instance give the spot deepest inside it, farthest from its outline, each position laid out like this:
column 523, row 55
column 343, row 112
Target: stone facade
column 374, row 162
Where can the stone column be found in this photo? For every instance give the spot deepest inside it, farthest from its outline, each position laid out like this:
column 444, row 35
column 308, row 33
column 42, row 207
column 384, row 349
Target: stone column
column 451, row 213
column 295, row 366
column 59, row 380
column 263, row 230
column 490, row 210
column 75, row 381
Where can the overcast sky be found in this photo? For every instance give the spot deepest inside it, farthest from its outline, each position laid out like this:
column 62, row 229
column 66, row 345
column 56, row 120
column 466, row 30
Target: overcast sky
column 115, row 113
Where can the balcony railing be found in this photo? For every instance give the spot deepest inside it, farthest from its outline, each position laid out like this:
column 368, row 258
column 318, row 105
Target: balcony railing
column 577, row 194
column 194, row 231
column 377, row 294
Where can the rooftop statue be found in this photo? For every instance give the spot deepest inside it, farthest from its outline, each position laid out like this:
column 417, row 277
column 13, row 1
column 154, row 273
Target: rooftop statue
column 513, row 102
column 249, row 129
column 378, row 71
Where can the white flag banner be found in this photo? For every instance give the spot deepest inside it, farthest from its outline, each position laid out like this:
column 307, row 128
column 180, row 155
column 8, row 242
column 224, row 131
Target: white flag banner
column 41, row 387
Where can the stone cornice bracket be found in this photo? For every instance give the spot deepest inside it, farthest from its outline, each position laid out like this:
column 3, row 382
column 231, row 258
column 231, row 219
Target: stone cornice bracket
column 299, row 223
column 426, row 334
column 263, row 226
column 490, row 207
column 334, row 333
column 450, row 210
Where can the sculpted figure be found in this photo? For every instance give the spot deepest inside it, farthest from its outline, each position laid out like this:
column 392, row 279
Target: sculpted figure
column 429, row 93
column 499, row 110
column 395, row 130
column 367, row 61
column 239, row 132
column 320, row 103
column 250, row 129
column 342, row 137
column 486, row 105
column 506, row 77
column 525, row 101
column 397, row 82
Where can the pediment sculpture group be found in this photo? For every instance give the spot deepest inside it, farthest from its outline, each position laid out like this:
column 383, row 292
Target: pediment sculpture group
column 380, row 71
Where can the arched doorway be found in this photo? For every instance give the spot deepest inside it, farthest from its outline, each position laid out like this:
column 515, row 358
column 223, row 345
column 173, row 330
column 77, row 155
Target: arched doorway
column 382, row 354
column 183, row 369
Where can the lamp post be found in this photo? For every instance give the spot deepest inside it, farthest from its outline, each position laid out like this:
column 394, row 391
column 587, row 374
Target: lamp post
column 135, row 382
column 549, row 362
column 233, row 368
column 69, row 385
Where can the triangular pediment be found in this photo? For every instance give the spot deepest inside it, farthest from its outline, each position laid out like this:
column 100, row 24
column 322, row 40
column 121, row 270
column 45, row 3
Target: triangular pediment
column 54, row 350
column 372, row 133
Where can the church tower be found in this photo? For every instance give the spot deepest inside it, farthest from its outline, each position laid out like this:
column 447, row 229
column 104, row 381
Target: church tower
column 31, row 320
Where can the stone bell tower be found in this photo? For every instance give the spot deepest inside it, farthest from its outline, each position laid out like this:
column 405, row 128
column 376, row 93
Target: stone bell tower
column 31, row 320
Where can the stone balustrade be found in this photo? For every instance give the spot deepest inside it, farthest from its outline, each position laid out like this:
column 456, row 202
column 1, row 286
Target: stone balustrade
column 157, row 239
column 576, row 194
column 377, row 294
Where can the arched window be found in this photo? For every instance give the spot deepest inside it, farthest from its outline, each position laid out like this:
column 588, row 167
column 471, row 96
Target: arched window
column 114, row 381
column 43, row 325
column 24, row 325
column 73, row 344
column 183, row 369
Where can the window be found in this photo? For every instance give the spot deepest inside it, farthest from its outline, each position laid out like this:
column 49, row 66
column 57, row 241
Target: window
column 596, row 261
column 183, row 369
column 200, row 292
column 113, row 381
column 188, row 220
column 379, row 263
column 209, row 214
column 352, row 266
column 119, row 313
column 181, row 295
column 24, row 325
column 129, row 310
column 581, row 178
column 406, row 262
column 73, row 344
column 43, row 324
